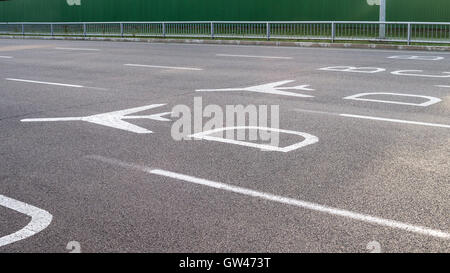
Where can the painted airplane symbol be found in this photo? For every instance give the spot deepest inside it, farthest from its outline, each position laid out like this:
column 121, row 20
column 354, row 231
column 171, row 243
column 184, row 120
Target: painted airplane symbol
column 269, row 88
column 114, row 119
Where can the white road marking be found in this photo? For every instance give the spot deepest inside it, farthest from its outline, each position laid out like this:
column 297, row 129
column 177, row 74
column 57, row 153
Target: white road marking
column 396, row 120
column 57, row 84
column 5, row 57
column 375, row 118
column 412, row 73
column 282, row 200
column 40, row 219
column 269, row 88
column 48, row 83
column 164, row 67
column 443, row 86
column 254, row 56
column 420, row 58
column 309, row 139
column 353, row 69
column 316, row 112
column 96, row 88
column 73, row 48
column 431, row 100
column 114, row 119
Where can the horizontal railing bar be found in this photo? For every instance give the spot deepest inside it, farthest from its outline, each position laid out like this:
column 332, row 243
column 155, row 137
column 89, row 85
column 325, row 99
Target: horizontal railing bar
column 233, row 22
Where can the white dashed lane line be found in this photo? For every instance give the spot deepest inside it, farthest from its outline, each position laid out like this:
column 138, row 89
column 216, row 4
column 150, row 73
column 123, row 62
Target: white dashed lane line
column 254, row 56
column 164, row 67
column 77, row 49
column 376, row 118
column 396, row 120
column 280, row 199
column 55, row 84
column 48, row 83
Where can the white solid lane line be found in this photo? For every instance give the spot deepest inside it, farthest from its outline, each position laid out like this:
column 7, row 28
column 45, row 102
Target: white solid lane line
column 164, row 67
column 443, row 86
column 375, row 118
column 418, row 58
column 40, row 220
column 254, row 56
column 73, row 48
column 5, row 57
column 48, row 83
column 283, row 200
column 396, row 120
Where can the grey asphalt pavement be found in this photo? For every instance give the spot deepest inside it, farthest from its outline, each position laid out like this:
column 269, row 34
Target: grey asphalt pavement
column 373, row 159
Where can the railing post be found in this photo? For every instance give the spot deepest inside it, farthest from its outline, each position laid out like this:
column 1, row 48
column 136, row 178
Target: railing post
column 84, row 30
column 212, row 30
column 23, row 29
column 409, row 33
column 164, row 29
column 333, row 31
column 51, row 29
column 121, row 30
column 382, row 30
column 268, row 30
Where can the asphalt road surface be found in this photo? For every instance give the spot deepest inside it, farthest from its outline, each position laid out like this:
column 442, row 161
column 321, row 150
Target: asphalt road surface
column 376, row 178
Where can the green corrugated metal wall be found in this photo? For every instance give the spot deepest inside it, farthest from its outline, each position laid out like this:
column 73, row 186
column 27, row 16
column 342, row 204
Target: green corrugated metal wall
column 204, row 10
column 418, row 10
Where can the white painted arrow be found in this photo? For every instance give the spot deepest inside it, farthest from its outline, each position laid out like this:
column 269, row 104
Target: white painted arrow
column 114, row 119
column 269, row 88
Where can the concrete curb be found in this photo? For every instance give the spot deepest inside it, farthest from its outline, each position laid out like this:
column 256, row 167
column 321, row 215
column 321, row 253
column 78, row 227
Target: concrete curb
column 241, row 42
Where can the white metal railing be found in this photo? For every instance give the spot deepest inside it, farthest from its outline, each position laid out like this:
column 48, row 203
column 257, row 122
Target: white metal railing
column 408, row 32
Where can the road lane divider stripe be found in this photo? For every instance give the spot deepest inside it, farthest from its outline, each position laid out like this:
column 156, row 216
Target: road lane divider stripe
column 443, row 86
column 5, row 57
column 375, row 118
column 75, row 49
column 396, row 120
column 164, row 67
column 254, row 56
column 40, row 220
column 280, row 199
column 48, row 83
